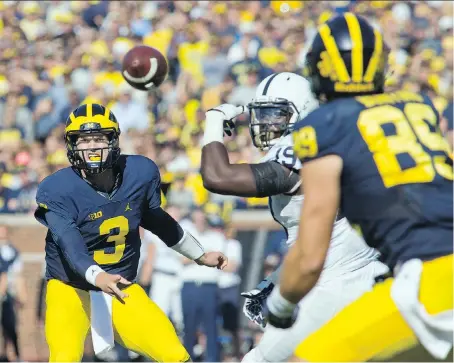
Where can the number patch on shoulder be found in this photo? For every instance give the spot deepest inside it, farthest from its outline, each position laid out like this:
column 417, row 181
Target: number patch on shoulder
column 305, row 143
column 286, row 156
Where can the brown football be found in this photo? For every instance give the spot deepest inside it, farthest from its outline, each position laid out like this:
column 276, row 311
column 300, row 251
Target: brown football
column 144, row 67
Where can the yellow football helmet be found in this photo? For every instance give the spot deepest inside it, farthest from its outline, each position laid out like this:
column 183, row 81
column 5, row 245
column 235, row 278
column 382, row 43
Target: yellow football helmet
column 92, row 118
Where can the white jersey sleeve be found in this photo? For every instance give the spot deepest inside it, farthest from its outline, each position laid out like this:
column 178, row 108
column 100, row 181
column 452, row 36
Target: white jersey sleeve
column 283, row 154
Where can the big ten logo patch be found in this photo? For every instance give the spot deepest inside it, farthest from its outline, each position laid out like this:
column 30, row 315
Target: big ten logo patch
column 96, row 215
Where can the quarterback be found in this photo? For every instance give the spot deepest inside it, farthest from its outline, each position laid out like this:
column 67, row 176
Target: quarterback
column 93, row 212
column 351, row 265
column 381, row 159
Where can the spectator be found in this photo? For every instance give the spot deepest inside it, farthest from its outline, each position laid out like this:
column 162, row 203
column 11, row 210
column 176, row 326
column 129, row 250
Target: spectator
column 199, row 293
column 162, row 265
column 130, row 114
column 215, row 65
column 229, row 285
column 15, row 295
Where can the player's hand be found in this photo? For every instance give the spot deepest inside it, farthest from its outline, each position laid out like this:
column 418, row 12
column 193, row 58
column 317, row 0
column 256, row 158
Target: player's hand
column 255, row 302
column 229, row 112
column 109, row 284
column 213, row 259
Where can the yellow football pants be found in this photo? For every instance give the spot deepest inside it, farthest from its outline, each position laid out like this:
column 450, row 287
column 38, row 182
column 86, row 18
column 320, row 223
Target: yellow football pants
column 139, row 325
column 372, row 327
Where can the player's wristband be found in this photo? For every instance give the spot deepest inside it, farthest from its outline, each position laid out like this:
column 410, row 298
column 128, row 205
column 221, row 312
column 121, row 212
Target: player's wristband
column 92, row 272
column 214, row 128
column 279, row 306
column 189, row 247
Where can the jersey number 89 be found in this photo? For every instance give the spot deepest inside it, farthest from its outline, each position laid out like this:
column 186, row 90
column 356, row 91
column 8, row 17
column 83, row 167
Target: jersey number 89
column 412, row 132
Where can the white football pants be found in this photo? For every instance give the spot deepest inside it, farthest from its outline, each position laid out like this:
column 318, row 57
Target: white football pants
column 329, row 296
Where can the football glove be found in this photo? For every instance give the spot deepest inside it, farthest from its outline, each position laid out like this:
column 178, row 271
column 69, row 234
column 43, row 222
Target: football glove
column 229, row 112
column 255, row 302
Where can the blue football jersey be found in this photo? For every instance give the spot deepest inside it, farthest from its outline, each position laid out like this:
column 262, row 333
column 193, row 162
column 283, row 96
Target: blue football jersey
column 109, row 225
column 397, row 173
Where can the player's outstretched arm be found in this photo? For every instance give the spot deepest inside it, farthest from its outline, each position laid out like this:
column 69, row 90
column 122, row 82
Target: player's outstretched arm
column 68, row 238
column 159, row 222
column 244, row 180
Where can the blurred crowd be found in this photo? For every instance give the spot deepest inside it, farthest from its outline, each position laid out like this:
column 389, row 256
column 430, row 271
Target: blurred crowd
column 56, row 55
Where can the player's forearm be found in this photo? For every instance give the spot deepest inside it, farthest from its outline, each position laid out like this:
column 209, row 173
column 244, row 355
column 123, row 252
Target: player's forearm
column 170, row 232
column 74, row 250
column 160, row 223
column 68, row 238
column 296, row 280
column 221, row 177
column 298, row 276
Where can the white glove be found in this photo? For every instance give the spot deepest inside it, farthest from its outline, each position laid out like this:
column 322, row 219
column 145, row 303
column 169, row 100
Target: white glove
column 229, row 112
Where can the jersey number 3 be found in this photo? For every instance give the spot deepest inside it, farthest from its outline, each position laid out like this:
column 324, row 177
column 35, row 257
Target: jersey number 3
column 121, row 226
column 412, row 127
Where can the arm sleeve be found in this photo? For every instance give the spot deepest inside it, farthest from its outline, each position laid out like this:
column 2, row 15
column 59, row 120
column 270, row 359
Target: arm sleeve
column 272, row 178
column 56, row 213
column 160, row 223
column 154, row 189
column 67, row 236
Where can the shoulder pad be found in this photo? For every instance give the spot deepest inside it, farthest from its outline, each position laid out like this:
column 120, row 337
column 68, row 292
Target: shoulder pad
column 142, row 165
column 283, row 153
column 49, row 198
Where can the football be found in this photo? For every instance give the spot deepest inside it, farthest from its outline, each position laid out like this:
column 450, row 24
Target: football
column 144, row 67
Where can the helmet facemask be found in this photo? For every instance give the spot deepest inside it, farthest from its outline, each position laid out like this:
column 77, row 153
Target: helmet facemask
column 269, row 120
column 93, row 160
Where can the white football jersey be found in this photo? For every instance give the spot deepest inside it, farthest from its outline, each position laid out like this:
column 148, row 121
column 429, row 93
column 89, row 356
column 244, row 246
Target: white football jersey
column 347, row 250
